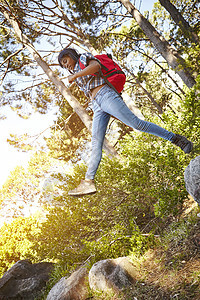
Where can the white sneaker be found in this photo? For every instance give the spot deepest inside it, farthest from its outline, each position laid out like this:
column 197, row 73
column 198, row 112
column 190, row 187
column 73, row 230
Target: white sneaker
column 86, row 187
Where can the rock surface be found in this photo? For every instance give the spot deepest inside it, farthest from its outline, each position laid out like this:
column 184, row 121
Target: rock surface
column 24, row 280
column 114, row 274
column 192, row 178
column 71, row 288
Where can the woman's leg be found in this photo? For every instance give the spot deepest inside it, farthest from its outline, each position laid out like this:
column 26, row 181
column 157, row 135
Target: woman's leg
column 114, row 105
column 99, row 125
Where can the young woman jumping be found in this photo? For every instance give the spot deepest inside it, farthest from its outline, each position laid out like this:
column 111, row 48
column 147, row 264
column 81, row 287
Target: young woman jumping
column 106, row 103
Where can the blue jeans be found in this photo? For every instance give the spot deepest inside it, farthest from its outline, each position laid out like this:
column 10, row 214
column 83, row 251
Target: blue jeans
column 108, row 103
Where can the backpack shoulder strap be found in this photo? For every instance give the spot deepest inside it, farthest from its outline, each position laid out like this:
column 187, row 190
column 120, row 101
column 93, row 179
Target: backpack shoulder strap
column 109, row 83
column 81, row 64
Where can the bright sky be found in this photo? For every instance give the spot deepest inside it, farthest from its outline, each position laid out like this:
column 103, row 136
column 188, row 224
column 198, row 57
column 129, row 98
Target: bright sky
column 9, row 156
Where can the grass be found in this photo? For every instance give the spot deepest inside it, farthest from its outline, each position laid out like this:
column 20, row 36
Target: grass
column 172, row 268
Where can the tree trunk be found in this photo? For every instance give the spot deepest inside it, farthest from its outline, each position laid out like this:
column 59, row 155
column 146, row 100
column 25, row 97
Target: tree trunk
column 169, row 54
column 180, row 21
column 73, row 102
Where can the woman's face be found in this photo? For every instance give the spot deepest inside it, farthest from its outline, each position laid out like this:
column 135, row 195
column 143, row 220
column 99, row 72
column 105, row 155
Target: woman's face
column 68, row 63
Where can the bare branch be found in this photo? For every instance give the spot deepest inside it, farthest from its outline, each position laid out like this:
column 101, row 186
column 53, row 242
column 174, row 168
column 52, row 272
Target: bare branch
column 10, row 56
column 5, row 73
column 164, row 70
column 128, row 37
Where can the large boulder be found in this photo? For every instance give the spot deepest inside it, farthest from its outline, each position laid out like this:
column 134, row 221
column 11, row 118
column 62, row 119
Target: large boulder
column 71, row 288
column 112, row 274
column 24, row 280
column 192, row 178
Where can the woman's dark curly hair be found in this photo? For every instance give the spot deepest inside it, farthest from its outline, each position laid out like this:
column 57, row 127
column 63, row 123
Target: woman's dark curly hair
column 68, row 52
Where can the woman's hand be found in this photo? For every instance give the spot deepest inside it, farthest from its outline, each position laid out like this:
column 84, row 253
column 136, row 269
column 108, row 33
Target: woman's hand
column 92, row 68
column 71, row 78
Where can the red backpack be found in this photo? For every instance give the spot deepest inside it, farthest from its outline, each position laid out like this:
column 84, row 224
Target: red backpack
column 110, row 71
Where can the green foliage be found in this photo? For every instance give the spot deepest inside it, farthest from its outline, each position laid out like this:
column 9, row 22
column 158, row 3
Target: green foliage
column 179, row 36
column 84, row 11
column 151, row 172
column 77, row 230
column 19, row 186
column 177, row 231
column 161, row 17
column 16, row 242
column 190, row 119
column 20, row 193
column 20, row 142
